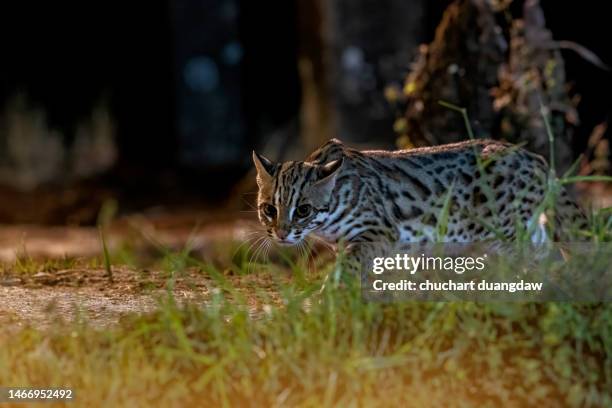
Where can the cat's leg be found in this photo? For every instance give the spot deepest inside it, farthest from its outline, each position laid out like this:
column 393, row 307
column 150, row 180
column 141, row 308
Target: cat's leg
column 354, row 260
column 359, row 259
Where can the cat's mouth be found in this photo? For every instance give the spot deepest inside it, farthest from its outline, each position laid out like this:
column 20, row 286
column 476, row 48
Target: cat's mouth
column 286, row 242
column 285, row 239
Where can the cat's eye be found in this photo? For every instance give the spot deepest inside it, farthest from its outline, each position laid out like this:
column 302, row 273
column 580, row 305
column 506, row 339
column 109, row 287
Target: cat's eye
column 269, row 210
column 303, row 210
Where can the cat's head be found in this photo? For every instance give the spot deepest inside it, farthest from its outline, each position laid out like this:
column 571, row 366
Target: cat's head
column 293, row 197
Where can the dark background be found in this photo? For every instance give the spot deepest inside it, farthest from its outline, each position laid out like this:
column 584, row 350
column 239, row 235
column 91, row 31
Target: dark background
column 188, row 123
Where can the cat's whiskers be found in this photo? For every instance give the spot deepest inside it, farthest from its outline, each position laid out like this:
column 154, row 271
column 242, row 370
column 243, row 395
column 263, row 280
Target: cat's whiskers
column 268, row 245
column 302, row 252
column 262, row 249
column 311, row 254
column 253, row 249
column 251, row 205
column 248, row 238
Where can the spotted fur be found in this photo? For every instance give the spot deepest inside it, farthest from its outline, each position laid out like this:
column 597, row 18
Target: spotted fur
column 341, row 194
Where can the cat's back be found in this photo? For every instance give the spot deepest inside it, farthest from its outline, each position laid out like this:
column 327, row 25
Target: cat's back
column 334, row 149
column 443, row 163
column 482, row 147
column 437, row 165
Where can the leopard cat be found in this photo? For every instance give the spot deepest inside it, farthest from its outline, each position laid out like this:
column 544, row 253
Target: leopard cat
column 482, row 188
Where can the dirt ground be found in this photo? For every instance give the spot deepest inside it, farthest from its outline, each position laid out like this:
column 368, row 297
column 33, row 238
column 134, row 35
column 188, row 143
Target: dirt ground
column 42, row 298
column 49, row 298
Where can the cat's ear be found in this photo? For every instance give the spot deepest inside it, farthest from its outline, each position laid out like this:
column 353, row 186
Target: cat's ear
column 329, row 169
column 327, row 177
column 265, row 168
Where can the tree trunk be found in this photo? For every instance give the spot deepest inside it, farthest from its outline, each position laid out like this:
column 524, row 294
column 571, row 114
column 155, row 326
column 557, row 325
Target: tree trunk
column 502, row 73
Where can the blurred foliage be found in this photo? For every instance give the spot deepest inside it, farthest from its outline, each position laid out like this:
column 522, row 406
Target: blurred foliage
column 34, row 154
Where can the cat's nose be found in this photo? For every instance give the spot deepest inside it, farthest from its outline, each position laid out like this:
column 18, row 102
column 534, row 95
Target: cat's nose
column 282, row 234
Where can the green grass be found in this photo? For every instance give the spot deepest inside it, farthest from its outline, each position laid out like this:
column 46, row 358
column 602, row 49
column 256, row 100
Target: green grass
column 326, row 348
